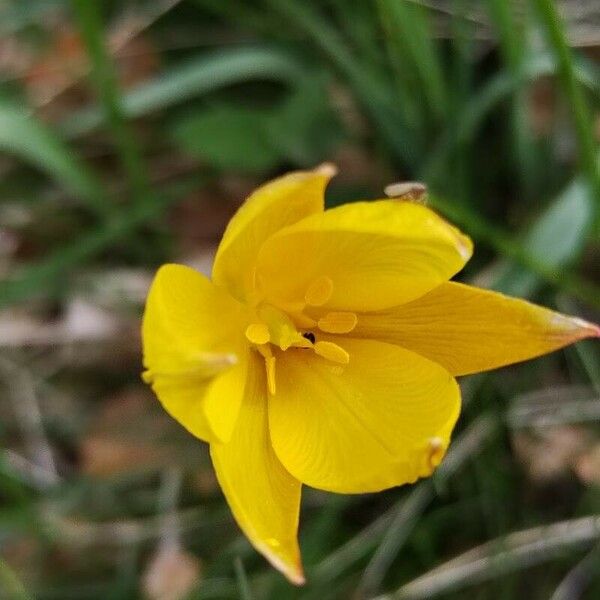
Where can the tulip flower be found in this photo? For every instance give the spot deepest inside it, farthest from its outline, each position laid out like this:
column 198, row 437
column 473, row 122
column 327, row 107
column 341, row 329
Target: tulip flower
column 325, row 349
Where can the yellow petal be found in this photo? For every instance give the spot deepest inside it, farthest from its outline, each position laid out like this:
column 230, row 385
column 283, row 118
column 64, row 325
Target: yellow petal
column 182, row 398
column 372, row 254
column 264, row 497
column 223, row 398
column 382, row 420
column 194, row 350
column 467, row 329
column 276, row 204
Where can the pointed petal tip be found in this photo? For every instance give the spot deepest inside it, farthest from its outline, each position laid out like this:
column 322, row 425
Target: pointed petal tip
column 464, row 245
column 328, row 169
column 296, row 576
column 578, row 328
column 589, row 329
column 291, row 569
column 299, row 580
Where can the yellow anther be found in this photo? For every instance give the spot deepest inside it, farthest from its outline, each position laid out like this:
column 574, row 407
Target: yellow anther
column 319, row 291
column 338, row 322
column 332, row 352
column 258, row 333
column 270, row 366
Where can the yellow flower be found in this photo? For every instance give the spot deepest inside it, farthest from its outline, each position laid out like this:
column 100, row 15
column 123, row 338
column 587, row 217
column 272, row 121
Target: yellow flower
column 325, row 349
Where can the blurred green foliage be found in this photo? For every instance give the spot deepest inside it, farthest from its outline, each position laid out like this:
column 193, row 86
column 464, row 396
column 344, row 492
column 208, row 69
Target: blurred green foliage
column 243, row 139
column 106, row 143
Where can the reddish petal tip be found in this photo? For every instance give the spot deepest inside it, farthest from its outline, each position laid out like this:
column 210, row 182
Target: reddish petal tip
column 297, row 579
column 586, row 328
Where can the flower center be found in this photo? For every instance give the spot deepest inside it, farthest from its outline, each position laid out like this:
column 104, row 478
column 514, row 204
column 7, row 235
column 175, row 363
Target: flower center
column 291, row 327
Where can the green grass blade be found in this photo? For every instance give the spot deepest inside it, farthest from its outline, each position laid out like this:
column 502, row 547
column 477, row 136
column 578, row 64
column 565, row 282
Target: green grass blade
column 242, row 579
column 482, row 230
column 18, row 16
column 44, row 275
column 380, row 533
column 508, row 554
column 369, row 84
column 579, row 578
column 513, row 48
column 241, row 13
column 11, row 584
column 492, row 94
column 550, row 18
column 412, row 36
column 47, row 274
column 398, row 531
column 359, row 22
column 407, row 100
column 90, row 24
column 459, row 176
column 589, row 356
column 556, row 239
column 395, row 537
column 23, row 136
column 198, row 76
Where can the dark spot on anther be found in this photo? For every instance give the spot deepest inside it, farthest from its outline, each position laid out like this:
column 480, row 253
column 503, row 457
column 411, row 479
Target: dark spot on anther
column 309, row 336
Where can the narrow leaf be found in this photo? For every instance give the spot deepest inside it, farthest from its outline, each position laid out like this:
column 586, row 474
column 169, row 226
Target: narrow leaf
column 26, row 138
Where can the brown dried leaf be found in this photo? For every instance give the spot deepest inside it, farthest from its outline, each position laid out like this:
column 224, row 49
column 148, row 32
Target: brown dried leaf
column 551, row 452
column 587, row 465
column 132, row 431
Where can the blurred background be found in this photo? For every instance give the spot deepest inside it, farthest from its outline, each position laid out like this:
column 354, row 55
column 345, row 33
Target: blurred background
column 130, row 131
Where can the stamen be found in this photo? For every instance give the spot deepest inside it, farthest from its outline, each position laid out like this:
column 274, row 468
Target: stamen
column 332, row 352
column 266, row 352
column 258, row 333
column 338, row 322
column 319, row 291
column 270, row 366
